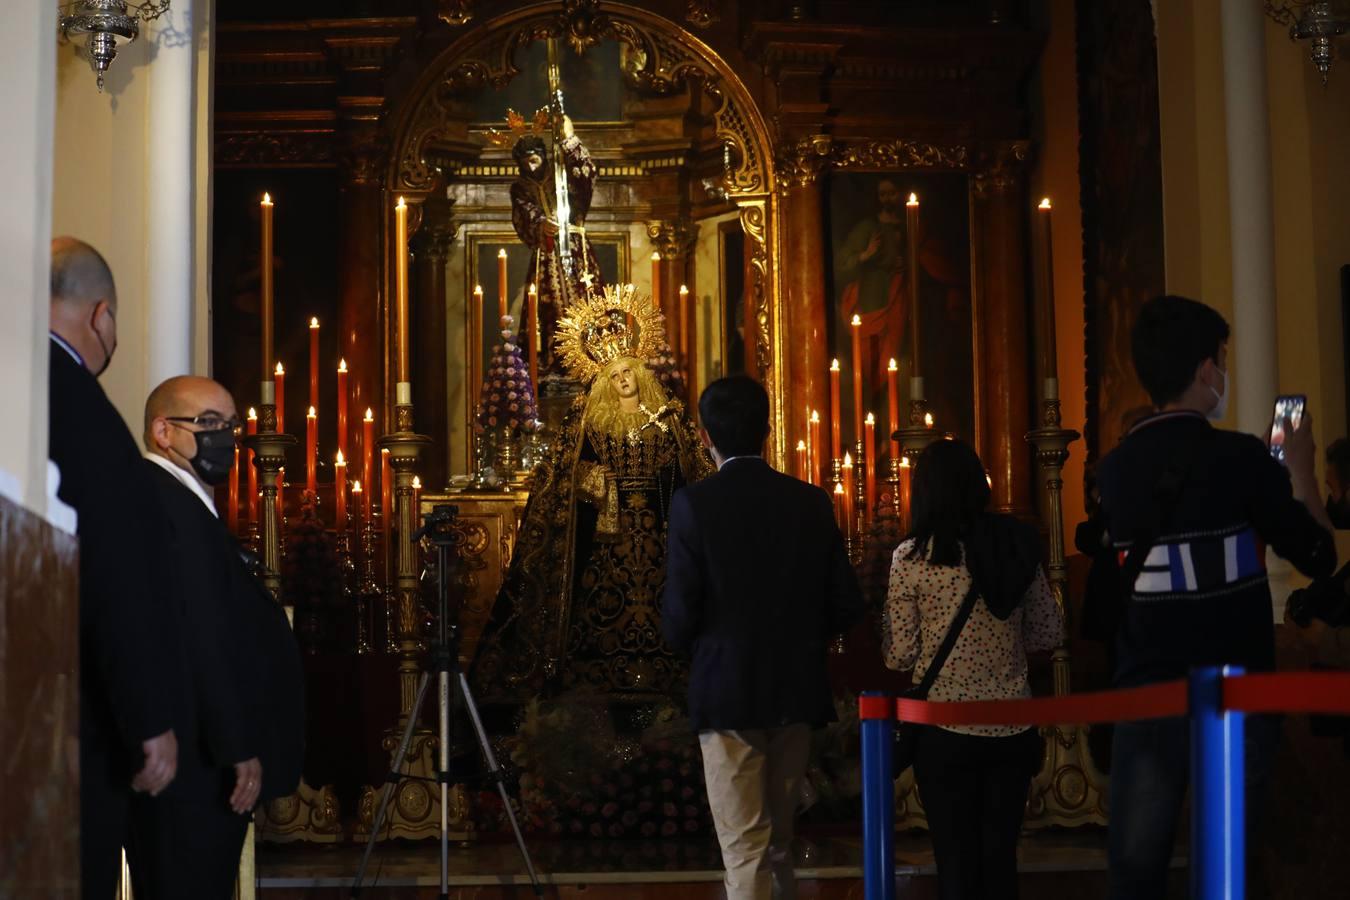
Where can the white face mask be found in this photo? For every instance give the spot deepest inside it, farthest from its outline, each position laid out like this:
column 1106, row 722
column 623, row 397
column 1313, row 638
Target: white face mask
column 1221, row 408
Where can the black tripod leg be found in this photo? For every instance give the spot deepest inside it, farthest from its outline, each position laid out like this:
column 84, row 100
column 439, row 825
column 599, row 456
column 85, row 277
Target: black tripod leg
column 496, row 772
column 391, row 781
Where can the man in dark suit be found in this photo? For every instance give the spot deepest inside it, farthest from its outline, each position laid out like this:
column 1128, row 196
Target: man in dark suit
column 757, row 583
column 126, row 704
column 240, row 727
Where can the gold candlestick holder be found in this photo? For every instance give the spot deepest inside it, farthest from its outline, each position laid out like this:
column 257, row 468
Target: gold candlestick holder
column 861, row 515
column 308, row 814
column 1069, row 790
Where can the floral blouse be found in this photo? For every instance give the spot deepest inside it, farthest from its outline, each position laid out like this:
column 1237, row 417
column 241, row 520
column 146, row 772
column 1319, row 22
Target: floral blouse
column 989, row 659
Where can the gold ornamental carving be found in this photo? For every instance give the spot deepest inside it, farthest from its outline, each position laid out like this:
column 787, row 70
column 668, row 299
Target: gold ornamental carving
column 455, row 12
column 801, row 163
column 673, row 239
column 1001, row 168
column 755, row 228
column 307, row 815
column 701, row 13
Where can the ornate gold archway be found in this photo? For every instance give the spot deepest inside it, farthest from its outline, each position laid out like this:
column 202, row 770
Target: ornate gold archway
column 662, row 57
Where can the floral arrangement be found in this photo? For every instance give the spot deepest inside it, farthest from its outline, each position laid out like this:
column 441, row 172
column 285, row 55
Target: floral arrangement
column 507, row 396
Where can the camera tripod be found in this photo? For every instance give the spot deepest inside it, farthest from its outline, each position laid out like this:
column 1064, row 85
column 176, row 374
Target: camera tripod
column 452, row 689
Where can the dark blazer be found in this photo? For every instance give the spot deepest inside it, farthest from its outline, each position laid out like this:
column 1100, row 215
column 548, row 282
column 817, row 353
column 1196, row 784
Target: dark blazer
column 126, row 660
column 241, row 665
column 757, row 583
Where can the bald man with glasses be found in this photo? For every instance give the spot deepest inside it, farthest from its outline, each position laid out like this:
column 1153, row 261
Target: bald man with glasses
column 240, row 731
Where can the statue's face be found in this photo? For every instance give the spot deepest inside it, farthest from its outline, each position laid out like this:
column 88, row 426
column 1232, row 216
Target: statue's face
column 533, row 161
column 624, row 379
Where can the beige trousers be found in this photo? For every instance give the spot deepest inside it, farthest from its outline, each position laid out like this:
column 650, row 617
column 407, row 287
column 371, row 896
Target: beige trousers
column 754, row 781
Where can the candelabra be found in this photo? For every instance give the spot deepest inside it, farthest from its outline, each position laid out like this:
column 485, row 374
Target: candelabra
column 919, row 433
column 861, row 514
column 367, row 589
column 1069, row 790
column 308, row 814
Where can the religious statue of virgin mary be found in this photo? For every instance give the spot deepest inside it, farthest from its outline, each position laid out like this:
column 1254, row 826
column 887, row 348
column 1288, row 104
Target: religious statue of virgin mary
column 579, row 609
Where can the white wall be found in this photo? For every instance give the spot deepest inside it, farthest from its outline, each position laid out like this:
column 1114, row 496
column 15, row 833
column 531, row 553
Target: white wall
column 132, row 178
column 28, row 74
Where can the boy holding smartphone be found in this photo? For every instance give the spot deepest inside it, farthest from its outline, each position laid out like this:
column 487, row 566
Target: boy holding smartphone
column 1201, row 504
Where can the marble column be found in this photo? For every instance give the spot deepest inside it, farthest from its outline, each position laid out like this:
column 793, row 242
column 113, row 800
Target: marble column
column 170, row 224
column 807, row 332
column 1253, row 351
column 430, row 353
column 1002, row 319
column 359, row 293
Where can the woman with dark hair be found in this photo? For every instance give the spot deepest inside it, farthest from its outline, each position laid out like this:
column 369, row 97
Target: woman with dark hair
column 973, row 780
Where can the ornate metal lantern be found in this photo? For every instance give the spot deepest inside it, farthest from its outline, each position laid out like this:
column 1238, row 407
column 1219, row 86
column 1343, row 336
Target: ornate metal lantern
column 104, row 21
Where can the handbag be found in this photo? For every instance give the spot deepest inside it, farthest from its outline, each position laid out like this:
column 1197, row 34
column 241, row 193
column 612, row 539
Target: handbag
column 907, row 733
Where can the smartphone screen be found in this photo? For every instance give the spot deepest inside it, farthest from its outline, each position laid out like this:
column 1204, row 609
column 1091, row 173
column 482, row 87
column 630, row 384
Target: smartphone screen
column 1289, row 407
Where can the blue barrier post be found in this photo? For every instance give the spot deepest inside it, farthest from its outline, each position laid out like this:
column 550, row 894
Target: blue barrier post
column 1218, row 846
column 878, row 790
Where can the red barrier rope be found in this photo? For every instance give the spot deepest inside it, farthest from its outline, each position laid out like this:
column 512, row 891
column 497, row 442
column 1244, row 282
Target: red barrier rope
column 1297, row 692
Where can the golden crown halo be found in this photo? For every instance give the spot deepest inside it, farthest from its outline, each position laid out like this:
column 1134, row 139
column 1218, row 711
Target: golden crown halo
column 600, row 328
column 517, row 126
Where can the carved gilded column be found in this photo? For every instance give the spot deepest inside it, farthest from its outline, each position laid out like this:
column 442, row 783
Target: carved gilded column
column 1005, row 404
column 806, row 336
column 359, row 318
column 430, row 355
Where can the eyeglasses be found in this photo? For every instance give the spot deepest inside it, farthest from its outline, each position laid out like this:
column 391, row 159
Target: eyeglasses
column 210, row 423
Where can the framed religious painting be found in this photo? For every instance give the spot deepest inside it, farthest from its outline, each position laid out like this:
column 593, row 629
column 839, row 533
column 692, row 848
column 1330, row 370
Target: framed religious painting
column 908, row 295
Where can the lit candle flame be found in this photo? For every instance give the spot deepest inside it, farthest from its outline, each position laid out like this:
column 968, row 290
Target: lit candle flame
column 913, row 200
column 478, row 291
column 857, row 321
column 815, row 416
column 252, row 413
column 356, row 487
column 342, row 365
column 417, row 483
column 870, row 420
column 892, row 366
column 1045, row 203
column 656, row 255
column 400, row 204
column 801, row 446
column 838, row 488
column 314, row 322
column 848, row 460
column 370, row 415
column 834, row 365
column 281, row 370
column 928, row 419
column 533, row 290
column 267, row 199
column 904, row 462
column 313, row 413
column 683, row 290
column 501, row 254
column 340, row 460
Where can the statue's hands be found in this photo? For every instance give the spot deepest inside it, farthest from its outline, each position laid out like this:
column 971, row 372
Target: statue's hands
column 549, row 226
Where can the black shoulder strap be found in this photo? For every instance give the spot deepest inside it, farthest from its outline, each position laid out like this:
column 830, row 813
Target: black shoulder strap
column 1166, row 495
column 953, row 632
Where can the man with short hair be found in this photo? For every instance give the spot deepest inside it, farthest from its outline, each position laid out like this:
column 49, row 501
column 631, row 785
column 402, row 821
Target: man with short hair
column 1206, row 502
column 126, row 694
column 757, row 583
column 240, row 725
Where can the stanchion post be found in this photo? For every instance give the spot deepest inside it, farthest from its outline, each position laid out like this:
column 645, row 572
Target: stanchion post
column 1218, row 845
column 876, row 713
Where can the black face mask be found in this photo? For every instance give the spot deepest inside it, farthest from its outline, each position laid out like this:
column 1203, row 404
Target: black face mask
column 215, row 455
column 107, row 354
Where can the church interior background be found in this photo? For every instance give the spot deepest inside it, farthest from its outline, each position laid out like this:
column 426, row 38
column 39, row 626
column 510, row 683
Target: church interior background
column 908, row 218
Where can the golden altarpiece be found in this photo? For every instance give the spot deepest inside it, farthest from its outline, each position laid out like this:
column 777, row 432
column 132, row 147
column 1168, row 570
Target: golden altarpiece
column 733, row 154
